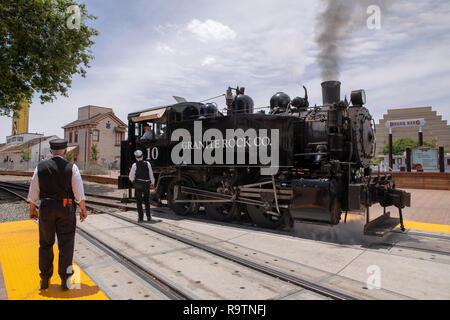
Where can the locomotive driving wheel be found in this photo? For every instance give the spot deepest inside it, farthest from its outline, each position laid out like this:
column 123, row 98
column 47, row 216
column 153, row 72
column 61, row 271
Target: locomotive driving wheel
column 261, row 218
column 180, row 208
column 222, row 211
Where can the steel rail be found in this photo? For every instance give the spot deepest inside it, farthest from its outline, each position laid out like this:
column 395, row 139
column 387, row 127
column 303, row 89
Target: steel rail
column 156, row 282
column 24, row 187
column 306, row 284
column 162, row 286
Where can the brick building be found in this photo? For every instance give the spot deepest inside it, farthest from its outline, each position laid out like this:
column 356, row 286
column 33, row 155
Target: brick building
column 99, row 126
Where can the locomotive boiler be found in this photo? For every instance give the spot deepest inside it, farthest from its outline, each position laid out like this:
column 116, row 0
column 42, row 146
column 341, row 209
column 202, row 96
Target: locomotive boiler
column 298, row 162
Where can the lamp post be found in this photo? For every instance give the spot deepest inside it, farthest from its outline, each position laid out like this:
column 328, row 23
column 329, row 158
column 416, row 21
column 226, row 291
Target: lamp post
column 88, row 131
column 39, row 158
column 420, row 137
column 391, row 159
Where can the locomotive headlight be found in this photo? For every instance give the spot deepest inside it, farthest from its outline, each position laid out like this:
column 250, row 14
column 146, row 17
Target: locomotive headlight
column 358, row 97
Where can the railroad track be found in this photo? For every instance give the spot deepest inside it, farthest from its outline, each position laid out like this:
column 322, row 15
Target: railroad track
column 295, row 280
column 135, row 267
column 303, row 283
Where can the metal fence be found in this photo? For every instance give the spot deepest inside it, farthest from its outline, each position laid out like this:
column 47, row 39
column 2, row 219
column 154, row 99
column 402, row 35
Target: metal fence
column 103, row 169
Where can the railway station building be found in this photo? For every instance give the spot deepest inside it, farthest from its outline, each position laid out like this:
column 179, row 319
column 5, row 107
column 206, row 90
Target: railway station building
column 95, row 126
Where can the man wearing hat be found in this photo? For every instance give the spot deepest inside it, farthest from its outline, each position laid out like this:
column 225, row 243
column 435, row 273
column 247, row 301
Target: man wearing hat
column 148, row 132
column 141, row 175
column 57, row 183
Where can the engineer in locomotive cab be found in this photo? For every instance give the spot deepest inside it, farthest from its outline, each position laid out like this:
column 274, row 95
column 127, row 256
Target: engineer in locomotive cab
column 148, row 132
column 141, row 175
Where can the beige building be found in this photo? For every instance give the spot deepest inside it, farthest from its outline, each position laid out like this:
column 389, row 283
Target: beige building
column 95, row 126
column 11, row 153
column 434, row 129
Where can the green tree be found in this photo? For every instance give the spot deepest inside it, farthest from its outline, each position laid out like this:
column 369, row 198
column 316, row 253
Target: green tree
column 94, row 153
column 399, row 145
column 69, row 156
column 43, row 43
column 26, row 155
column 376, row 161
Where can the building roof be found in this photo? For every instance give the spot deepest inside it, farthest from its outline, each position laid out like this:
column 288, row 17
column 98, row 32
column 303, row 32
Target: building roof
column 95, row 120
column 17, row 148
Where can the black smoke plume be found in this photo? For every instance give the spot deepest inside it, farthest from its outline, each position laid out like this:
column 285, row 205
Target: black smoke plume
column 335, row 26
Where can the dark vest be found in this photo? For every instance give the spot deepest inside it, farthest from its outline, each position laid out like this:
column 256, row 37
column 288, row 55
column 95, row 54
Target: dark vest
column 142, row 170
column 55, row 179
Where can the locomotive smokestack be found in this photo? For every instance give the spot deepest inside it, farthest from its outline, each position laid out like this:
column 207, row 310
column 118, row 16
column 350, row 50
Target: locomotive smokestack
column 331, row 92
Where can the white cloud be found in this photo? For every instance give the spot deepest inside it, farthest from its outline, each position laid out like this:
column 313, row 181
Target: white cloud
column 210, row 30
column 163, row 48
column 403, row 64
column 166, row 28
column 208, row 61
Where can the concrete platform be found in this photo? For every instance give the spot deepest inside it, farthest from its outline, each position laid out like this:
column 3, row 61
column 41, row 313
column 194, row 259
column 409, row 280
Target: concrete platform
column 342, row 261
column 203, row 275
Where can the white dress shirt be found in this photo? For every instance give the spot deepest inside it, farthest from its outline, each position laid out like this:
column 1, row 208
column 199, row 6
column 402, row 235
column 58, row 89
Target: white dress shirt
column 77, row 186
column 132, row 175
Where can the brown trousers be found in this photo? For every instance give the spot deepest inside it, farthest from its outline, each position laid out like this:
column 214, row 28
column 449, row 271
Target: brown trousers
column 55, row 219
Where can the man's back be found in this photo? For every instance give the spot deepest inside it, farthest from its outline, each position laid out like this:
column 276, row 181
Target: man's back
column 55, row 179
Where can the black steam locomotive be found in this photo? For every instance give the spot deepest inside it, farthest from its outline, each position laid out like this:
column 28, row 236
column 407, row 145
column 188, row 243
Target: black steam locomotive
column 295, row 163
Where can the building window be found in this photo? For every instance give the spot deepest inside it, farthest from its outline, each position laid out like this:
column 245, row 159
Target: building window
column 448, row 162
column 70, row 137
column 95, row 135
column 76, row 137
column 119, row 138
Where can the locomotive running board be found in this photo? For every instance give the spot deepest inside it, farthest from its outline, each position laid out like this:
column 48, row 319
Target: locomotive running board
column 381, row 225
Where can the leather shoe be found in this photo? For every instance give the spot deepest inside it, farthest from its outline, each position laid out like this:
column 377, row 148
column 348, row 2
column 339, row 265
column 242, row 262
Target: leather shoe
column 44, row 283
column 140, row 220
column 149, row 218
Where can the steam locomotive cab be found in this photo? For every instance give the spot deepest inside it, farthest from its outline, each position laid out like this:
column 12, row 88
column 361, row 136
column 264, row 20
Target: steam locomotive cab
column 295, row 163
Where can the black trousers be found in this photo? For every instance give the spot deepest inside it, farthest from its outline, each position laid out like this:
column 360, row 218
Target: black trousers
column 143, row 195
column 55, row 219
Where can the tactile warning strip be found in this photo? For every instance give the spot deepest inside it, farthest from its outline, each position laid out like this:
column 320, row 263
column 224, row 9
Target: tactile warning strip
column 19, row 258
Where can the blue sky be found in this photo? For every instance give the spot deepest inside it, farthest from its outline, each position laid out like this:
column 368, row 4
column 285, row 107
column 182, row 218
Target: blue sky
column 148, row 51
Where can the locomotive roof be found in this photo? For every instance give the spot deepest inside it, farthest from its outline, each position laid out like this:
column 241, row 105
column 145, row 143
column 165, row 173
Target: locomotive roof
column 178, row 107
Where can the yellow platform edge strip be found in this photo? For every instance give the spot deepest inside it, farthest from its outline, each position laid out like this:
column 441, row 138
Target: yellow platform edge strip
column 19, row 259
column 442, row 228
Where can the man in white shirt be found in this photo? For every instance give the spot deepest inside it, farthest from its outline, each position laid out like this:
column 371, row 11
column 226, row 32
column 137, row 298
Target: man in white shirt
column 141, row 175
column 57, row 183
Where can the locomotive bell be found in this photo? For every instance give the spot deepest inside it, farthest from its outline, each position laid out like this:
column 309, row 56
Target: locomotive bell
column 331, row 92
column 280, row 100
